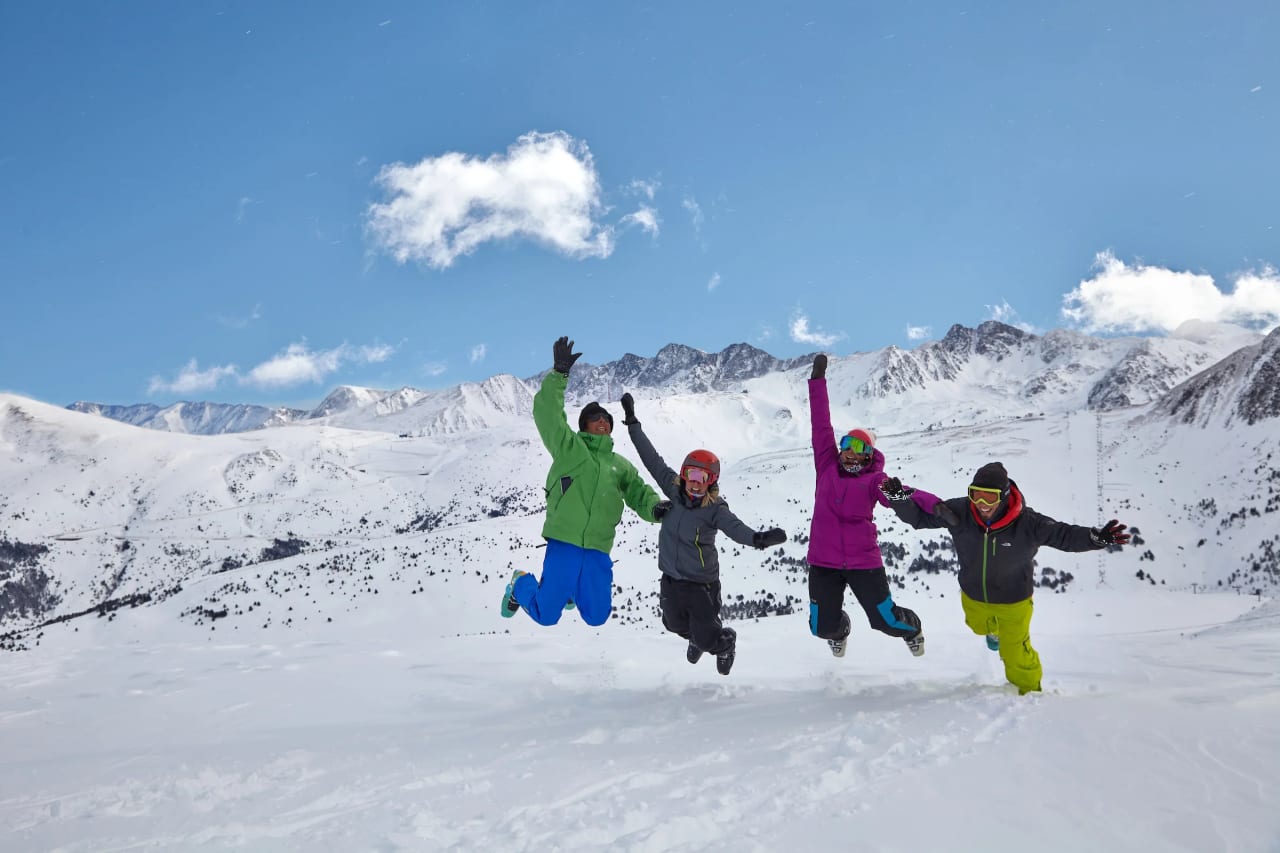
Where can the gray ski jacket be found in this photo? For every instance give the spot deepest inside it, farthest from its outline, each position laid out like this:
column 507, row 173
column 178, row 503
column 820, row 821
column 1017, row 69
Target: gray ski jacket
column 687, row 539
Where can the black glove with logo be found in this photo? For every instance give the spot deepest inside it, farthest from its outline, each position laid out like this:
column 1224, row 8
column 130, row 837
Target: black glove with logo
column 1111, row 533
column 946, row 514
column 893, row 490
column 628, row 410
column 769, row 538
column 564, row 355
column 660, row 509
column 819, row 367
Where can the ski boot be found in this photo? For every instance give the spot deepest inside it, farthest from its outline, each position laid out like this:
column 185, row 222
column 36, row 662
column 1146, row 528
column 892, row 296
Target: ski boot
column 692, row 654
column 509, row 603
column 724, row 660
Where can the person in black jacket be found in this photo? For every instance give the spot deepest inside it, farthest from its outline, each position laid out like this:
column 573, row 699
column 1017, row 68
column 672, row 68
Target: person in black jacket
column 996, row 537
column 687, row 557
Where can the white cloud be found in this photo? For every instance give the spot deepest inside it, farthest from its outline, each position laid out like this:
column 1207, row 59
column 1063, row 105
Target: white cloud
column 544, row 188
column 434, row 368
column 191, row 379
column 695, row 212
column 1007, row 314
column 919, row 333
column 242, row 207
column 714, row 282
column 478, row 352
column 298, row 364
column 241, row 322
column 646, row 217
column 800, row 333
column 648, row 189
column 1124, row 298
column 374, row 354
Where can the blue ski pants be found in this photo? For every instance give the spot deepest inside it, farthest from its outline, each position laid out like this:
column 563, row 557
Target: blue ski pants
column 568, row 572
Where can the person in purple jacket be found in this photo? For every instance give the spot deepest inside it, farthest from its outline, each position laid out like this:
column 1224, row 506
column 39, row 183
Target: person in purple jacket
column 843, row 549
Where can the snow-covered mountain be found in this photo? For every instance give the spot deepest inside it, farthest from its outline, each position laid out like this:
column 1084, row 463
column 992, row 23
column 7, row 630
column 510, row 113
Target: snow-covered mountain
column 1245, row 386
column 989, row 371
column 194, row 418
column 122, row 515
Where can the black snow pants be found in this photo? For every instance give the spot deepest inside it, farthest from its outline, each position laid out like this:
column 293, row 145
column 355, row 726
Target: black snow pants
column 827, row 618
column 692, row 610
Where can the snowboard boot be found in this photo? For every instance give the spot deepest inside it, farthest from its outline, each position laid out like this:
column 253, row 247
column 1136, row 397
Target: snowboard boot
column 693, row 654
column 509, row 603
column 916, row 643
column 993, row 642
column 724, row 660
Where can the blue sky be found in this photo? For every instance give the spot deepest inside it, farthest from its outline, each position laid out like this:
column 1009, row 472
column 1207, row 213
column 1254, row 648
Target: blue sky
column 258, row 201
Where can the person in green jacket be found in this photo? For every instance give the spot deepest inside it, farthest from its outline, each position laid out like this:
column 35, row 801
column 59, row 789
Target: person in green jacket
column 586, row 488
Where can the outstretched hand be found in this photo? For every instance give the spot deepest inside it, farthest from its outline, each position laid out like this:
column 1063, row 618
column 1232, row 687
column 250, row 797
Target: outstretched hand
column 769, row 538
column 1111, row 533
column 629, row 410
column 660, row 509
column 819, row 367
column 564, row 355
column 893, row 490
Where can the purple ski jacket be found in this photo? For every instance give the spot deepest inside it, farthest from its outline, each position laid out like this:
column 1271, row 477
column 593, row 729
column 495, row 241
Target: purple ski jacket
column 842, row 534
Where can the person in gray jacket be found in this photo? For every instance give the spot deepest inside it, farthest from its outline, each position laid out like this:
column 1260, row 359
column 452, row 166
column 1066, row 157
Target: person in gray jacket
column 694, row 512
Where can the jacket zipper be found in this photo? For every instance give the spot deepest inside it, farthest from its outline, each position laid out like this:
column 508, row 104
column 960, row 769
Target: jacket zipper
column 986, row 536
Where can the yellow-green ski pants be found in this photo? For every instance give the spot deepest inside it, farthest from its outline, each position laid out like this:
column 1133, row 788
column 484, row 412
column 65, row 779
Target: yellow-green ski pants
column 1012, row 624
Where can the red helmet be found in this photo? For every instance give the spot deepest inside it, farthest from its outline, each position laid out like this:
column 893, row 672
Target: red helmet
column 704, row 459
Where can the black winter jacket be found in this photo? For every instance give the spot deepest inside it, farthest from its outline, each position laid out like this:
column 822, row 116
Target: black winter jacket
column 996, row 560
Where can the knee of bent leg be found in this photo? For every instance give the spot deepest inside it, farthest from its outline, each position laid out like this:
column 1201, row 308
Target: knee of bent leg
column 595, row 618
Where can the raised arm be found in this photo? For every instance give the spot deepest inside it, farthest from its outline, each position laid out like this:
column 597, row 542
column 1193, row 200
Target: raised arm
column 662, row 473
column 825, row 454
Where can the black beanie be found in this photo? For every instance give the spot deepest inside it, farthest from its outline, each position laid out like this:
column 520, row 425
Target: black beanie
column 992, row 476
column 592, row 408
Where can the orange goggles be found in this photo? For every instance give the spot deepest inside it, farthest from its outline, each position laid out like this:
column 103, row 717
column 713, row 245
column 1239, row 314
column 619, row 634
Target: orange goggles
column 984, row 496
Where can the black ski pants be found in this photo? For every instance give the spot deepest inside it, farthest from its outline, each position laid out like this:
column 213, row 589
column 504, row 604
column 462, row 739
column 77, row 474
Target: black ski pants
column 827, row 618
column 692, row 610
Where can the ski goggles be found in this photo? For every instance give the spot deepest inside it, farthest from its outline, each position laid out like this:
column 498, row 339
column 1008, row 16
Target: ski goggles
column 597, row 416
column 697, row 476
column 984, row 496
column 857, row 445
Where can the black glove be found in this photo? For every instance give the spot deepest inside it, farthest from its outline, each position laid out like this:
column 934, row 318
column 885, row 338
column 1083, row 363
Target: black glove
column 1111, row 533
column 628, row 410
column 893, row 489
column 564, row 355
column 819, row 367
column 660, row 509
column 768, row 538
column 946, row 514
